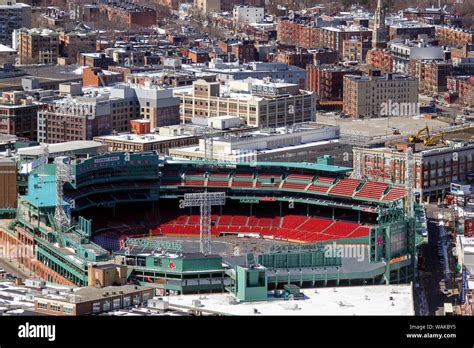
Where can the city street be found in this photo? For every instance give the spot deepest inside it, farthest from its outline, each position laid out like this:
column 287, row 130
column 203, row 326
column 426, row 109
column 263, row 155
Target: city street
column 435, row 279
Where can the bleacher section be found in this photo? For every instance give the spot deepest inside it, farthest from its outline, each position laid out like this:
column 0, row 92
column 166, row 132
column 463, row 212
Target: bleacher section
column 372, row 190
column 345, row 187
column 294, row 228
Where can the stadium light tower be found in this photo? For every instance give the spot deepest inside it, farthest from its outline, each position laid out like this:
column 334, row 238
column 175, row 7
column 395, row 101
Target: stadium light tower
column 409, row 182
column 44, row 162
column 205, row 200
column 63, row 175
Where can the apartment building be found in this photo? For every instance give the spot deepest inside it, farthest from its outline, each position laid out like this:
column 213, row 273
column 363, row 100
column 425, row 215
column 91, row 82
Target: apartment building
column 376, row 95
column 13, row 16
column 38, row 46
column 452, row 36
column 410, row 30
column 208, row 6
column 128, row 13
column 380, row 59
column 72, row 119
column 327, row 81
column 463, row 88
column 257, row 70
column 404, row 52
column 433, row 75
column 355, row 49
column 71, row 44
column 245, row 14
column 18, row 115
column 258, row 103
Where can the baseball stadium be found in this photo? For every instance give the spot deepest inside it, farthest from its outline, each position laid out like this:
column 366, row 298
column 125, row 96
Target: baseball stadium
column 273, row 225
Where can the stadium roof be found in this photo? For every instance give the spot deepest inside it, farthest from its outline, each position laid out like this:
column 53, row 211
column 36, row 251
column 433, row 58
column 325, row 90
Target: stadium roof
column 297, row 165
column 61, row 147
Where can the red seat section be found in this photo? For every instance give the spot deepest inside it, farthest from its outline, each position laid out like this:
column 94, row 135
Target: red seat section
column 394, row 193
column 300, row 177
column 296, row 228
column 372, row 190
column 325, row 180
column 341, row 228
column 217, row 183
column 317, row 188
column 294, row 186
column 344, row 187
column 293, row 221
column 315, row 225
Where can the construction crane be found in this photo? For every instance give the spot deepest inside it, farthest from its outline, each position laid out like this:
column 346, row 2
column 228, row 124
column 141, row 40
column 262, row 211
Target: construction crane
column 205, row 200
column 417, row 137
column 434, row 139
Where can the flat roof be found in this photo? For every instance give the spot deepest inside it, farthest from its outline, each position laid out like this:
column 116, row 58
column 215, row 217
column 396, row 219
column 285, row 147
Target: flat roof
column 354, row 300
column 61, row 147
column 4, row 48
column 86, row 294
column 143, row 138
column 299, row 165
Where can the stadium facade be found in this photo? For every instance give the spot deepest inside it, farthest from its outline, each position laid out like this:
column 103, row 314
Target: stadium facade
column 307, row 224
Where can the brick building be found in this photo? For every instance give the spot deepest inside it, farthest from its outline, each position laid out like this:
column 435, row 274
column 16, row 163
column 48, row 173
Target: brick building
column 38, row 46
column 298, row 34
column 8, row 188
column 433, row 76
column 18, row 115
column 456, row 37
column 327, row 81
column 129, row 14
column 100, row 78
column 71, row 119
column 366, row 96
column 463, row 88
column 71, row 44
column 99, row 60
column 91, row 300
column 380, row 59
column 356, row 50
column 434, row 169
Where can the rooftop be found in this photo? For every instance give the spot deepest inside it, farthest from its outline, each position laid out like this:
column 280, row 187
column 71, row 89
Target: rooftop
column 61, row 147
column 87, row 294
column 354, row 300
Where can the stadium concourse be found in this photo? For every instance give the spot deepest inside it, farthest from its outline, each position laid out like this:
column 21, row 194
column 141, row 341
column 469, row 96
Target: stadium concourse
column 118, row 197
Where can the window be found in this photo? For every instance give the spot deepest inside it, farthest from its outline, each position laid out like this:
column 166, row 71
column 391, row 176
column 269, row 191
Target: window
column 68, row 310
column 136, row 299
column 116, row 303
column 55, row 308
column 42, row 305
column 126, row 301
column 96, row 307
column 106, row 305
